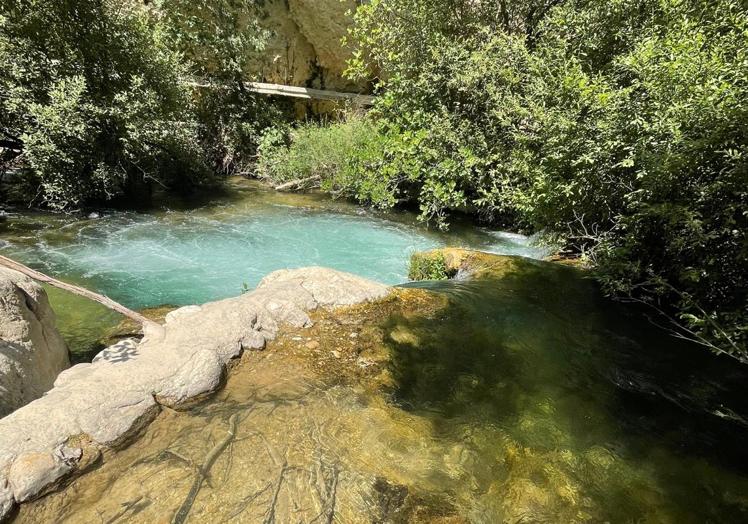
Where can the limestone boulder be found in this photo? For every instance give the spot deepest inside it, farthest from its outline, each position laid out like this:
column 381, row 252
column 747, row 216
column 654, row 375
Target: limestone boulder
column 329, row 288
column 32, row 473
column 325, row 23
column 32, row 351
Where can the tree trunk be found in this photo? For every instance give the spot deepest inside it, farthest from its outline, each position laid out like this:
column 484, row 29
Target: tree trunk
column 101, row 299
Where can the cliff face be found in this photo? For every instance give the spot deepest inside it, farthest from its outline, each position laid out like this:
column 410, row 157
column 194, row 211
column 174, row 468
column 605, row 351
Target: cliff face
column 305, row 47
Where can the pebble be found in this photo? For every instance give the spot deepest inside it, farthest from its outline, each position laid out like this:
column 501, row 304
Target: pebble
column 364, row 362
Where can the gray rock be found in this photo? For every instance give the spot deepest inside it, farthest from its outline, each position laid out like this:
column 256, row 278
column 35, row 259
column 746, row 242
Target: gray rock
column 329, row 288
column 181, row 312
column 33, row 473
column 200, row 375
column 32, row 351
column 121, row 391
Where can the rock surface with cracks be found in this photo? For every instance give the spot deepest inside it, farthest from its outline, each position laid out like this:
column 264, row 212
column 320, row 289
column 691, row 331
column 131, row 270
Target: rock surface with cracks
column 32, row 351
column 103, row 404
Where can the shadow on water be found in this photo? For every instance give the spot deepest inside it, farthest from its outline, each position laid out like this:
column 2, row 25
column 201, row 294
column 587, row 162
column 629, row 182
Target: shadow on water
column 539, row 355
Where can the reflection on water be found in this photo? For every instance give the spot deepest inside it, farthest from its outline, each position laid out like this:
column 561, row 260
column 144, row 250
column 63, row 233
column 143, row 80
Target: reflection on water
column 525, row 399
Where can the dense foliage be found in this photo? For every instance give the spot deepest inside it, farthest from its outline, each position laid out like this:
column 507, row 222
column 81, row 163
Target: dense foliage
column 617, row 126
column 92, row 98
column 99, row 97
column 221, row 40
column 343, row 158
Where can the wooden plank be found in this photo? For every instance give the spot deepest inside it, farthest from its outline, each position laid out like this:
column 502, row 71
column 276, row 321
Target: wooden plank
column 299, row 92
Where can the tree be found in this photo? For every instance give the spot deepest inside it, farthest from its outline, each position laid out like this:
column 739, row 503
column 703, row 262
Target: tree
column 221, row 40
column 96, row 100
column 618, row 127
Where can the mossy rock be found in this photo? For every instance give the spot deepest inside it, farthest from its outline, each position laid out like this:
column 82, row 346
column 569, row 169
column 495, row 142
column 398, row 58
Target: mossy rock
column 446, row 263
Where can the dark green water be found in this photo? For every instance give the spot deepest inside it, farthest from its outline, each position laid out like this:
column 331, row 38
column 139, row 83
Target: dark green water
column 601, row 403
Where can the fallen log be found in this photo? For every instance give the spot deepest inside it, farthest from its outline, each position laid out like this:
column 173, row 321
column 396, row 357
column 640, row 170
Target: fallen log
column 299, row 182
column 101, row 299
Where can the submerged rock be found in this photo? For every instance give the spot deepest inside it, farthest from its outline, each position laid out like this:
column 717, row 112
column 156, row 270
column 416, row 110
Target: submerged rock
column 32, row 351
column 113, row 398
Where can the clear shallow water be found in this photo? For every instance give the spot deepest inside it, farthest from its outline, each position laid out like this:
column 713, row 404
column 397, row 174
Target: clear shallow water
column 523, row 399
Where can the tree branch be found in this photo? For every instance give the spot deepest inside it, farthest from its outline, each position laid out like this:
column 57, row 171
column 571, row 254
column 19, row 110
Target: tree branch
column 101, row 299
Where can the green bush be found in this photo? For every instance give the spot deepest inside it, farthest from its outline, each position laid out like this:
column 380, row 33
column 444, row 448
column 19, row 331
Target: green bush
column 428, row 266
column 100, row 98
column 93, row 97
column 346, row 156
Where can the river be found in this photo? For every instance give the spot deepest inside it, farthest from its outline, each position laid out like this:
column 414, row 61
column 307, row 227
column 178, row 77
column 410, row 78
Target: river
column 526, row 398
column 180, row 253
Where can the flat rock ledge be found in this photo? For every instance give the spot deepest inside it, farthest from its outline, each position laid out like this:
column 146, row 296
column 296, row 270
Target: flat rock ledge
column 101, row 405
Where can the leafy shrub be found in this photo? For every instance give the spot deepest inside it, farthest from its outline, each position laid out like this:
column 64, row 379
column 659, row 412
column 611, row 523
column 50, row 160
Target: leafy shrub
column 617, row 127
column 428, row 266
column 94, row 98
column 345, row 155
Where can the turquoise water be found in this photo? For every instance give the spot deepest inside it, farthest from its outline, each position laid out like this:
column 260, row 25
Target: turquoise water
column 213, row 251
